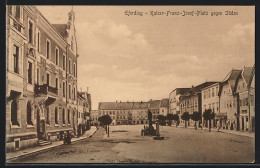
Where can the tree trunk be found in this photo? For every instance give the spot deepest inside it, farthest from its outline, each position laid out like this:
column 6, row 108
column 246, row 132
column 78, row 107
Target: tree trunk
column 209, row 125
column 195, row 125
column 108, row 131
column 185, row 124
column 176, row 124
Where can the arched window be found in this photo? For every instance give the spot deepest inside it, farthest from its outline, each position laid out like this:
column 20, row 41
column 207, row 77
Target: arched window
column 14, row 112
column 68, row 116
column 29, row 114
column 63, row 116
column 56, row 115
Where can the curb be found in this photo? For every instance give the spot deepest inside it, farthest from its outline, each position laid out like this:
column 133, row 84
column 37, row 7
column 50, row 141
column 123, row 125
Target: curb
column 45, row 149
column 226, row 132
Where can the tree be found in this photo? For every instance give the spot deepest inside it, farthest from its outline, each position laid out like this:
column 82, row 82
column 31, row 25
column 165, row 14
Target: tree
column 176, row 118
column 107, row 120
column 161, row 119
column 209, row 115
column 170, row 118
column 196, row 116
column 185, row 116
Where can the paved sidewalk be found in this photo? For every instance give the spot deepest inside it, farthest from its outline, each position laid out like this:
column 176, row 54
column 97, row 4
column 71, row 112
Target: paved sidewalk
column 242, row 133
column 24, row 152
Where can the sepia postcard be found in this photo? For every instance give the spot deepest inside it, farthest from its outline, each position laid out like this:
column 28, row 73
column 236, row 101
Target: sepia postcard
column 130, row 84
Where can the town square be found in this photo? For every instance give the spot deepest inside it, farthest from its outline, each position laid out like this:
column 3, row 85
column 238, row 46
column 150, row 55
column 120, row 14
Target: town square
column 130, row 84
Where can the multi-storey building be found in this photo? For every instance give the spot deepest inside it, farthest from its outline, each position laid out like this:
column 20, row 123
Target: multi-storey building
column 94, row 117
column 242, row 89
column 191, row 101
column 210, row 100
column 83, row 112
column 41, row 78
column 174, row 99
column 140, row 113
column 164, row 107
column 228, row 98
column 154, row 107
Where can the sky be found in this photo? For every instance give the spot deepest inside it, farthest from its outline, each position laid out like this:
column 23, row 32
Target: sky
column 138, row 58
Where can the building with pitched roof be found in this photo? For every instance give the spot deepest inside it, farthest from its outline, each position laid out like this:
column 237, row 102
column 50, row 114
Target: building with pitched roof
column 164, row 107
column 140, row 113
column 174, row 99
column 154, row 107
column 242, row 89
column 191, row 101
column 228, row 99
column 41, row 74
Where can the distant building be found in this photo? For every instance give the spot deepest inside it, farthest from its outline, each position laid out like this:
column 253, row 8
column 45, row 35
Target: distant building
column 94, row 117
column 154, row 107
column 174, row 99
column 164, row 107
column 210, row 100
column 140, row 113
column 191, row 101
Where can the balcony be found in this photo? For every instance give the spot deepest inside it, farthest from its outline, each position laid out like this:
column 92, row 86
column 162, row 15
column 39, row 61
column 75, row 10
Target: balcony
column 44, row 89
column 45, row 93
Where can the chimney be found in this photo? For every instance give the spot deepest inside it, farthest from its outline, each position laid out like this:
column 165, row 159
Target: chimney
column 81, row 89
column 87, row 89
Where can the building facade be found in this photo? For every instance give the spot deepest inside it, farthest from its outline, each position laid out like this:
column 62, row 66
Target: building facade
column 41, row 78
column 174, row 99
column 140, row 113
column 164, row 107
column 229, row 99
column 210, row 100
column 154, row 107
column 245, row 99
column 191, row 101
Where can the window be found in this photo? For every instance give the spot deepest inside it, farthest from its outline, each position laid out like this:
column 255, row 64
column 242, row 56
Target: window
column 56, row 115
column 14, row 113
column 74, row 70
column 69, row 65
column 64, row 89
column 30, row 73
column 48, row 44
column 29, row 114
column 48, row 80
column 68, row 116
column 30, row 35
column 48, row 115
column 213, row 92
column 209, row 93
column 64, row 62
column 57, row 83
column 63, row 116
column 38, row 76
column 57, row 56
column 217, row 90
column 70, row 91
column 16, row 58
column 72, row 44
column 17, row 13
column 74, row 91
column 38, row 41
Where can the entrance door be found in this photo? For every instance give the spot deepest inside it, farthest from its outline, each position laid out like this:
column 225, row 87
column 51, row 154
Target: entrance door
column 243, row 126
column 40, row 126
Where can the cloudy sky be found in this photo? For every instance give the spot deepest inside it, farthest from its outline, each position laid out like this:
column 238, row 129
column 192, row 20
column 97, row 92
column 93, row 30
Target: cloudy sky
column 134, row 58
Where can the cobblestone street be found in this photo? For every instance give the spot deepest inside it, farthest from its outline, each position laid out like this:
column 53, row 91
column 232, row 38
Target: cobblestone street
column 125, row 145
